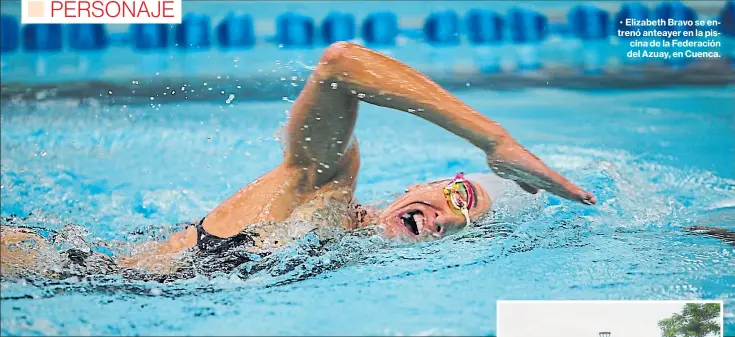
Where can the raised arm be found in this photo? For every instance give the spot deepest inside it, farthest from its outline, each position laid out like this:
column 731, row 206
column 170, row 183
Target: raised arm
column 323, row 117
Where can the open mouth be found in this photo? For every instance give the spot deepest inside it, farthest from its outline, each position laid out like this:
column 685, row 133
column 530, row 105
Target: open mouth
column 414, row 221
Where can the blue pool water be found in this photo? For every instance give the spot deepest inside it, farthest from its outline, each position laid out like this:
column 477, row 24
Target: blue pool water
column 658, row 160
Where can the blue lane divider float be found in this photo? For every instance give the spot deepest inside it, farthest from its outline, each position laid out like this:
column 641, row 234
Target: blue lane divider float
column 42, row 37
column 149, row 36
column 588, row 22
column 380, row 29
column 236, row 31
column 677, row 11
column 484, row 27
column 631, row 10
column 338, row 27
column 591, row 25
column 87, row 37
column 193, row 32
column 442, row 28
column 295, row 30
column 727, row 19
column 485, row 30
column 9, row 31
column 528, row 28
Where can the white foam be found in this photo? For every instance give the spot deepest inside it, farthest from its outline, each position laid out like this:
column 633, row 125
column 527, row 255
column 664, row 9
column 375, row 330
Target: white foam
column 723, row 204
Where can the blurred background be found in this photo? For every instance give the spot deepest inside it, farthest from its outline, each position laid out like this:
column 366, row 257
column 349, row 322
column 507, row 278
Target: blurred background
column 249, row 48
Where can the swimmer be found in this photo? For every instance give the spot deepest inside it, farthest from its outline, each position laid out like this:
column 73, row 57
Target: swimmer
column 316, row 181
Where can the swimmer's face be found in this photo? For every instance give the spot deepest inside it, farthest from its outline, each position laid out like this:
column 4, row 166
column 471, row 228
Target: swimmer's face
column 423, row 212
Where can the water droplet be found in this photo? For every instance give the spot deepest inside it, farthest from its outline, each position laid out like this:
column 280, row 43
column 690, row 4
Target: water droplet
column 334, row 85
column 109, row 92
column 308, row 139
column 43, row 153
column 361, row 95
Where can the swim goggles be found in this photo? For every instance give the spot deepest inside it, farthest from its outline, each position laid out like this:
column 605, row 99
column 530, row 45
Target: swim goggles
column 459, row 195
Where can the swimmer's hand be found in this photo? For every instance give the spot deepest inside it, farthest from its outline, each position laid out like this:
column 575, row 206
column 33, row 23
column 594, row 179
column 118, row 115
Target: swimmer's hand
column 512, row 161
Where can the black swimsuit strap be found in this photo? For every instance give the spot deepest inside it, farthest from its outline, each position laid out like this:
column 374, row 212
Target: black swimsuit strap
column 210, row 243
column 201, row 233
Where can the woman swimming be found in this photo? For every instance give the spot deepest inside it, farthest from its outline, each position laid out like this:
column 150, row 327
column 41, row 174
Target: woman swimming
column 316, row 181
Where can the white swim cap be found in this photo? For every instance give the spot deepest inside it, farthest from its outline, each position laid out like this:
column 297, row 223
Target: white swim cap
column 496, row 187
column 509, row 201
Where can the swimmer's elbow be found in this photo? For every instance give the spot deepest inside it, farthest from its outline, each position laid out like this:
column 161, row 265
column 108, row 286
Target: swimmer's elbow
column 332, row 60
column 336, row 51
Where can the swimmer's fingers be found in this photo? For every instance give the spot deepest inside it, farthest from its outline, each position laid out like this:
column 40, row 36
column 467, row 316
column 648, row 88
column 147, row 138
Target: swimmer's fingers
column 514, row 162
